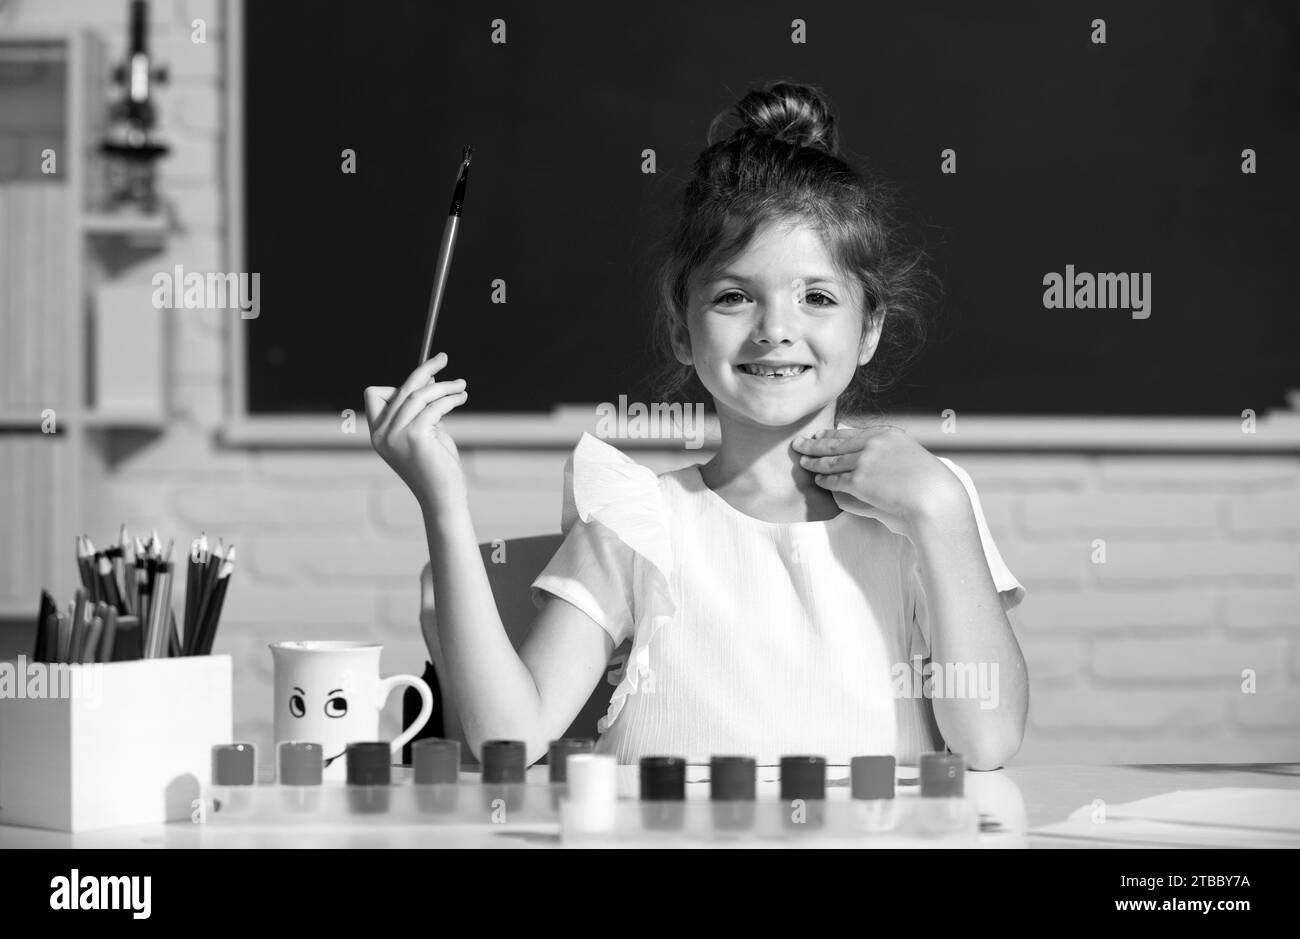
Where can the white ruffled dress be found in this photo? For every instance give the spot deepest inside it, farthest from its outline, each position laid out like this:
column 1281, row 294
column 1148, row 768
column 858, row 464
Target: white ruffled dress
column 747, row 637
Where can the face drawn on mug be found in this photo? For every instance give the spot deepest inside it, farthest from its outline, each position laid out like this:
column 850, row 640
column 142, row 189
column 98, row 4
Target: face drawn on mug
column 330, row 693
column 333, row 704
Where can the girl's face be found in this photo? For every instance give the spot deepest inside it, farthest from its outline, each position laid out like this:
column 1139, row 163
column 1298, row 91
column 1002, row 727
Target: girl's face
column 777, row 335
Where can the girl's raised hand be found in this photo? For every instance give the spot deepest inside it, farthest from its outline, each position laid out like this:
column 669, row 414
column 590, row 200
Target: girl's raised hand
column 405, row 429
column 881, row 466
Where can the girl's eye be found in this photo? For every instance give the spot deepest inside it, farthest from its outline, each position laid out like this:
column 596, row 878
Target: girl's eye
column 297, row 706
column 336, row 707
column 812, row 297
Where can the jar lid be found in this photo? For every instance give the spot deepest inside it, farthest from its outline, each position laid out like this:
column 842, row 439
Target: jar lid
column 301, row 764
column 733, row 778
column 370, row 763
column 593, row 778
column 234, row 764
column 803, row 777
column 436, row 761
column 559, row 752
column 943, row 775
column 663, row 778
column 872, row 777
column 503, row 761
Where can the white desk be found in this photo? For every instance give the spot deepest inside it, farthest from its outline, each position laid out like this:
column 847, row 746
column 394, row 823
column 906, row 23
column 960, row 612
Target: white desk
column 1049, row 794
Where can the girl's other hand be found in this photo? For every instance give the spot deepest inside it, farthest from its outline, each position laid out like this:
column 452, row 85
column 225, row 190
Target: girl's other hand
column 881, row 466
column 405, row 429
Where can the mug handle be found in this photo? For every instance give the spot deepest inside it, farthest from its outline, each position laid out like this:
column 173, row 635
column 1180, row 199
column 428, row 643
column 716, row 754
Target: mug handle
column 387, row 686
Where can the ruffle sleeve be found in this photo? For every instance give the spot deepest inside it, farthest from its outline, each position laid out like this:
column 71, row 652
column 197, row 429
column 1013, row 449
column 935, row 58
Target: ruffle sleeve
column 616, row 545
column 1010, row 590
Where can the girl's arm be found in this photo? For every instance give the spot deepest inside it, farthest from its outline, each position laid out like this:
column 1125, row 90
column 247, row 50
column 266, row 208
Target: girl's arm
column 884, row 468
column 530, row 695
column 970, row 631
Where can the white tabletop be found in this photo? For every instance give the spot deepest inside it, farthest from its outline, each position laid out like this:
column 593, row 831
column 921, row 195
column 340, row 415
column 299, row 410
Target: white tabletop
column 1025, row 797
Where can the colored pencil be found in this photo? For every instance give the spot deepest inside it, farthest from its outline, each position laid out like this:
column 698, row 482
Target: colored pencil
column 92, row 562
column 93, row 636
column 42, row 652
column 208, row 583
column 128, row 643
column 108, row 583
column 109, row 641
column 83, row 564
column 77, row 634
column 145, row 607
column 64, row 635
column 169, row 617
column 208, row 631
column 51, row 637
column 158, row 635
column 192, row 576
column 138, row 578
column 119, row 560
column 152, row 630
column 173, row 637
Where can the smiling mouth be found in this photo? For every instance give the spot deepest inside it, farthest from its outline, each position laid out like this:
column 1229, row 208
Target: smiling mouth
column 772, row 373
column 331, row 759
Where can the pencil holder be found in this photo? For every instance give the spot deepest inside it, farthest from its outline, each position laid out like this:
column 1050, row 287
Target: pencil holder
column 105, row 745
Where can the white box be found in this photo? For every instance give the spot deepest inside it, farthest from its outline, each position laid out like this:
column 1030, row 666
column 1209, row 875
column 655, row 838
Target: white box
column 129, row 350
column 130, row 744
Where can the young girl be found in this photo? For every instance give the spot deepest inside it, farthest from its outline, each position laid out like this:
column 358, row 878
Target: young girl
column 783, row 597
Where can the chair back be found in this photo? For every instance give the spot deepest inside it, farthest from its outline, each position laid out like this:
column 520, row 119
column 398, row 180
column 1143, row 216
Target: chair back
column 511, row 566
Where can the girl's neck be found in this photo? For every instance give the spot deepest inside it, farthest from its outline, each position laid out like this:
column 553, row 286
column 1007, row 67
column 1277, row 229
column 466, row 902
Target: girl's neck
column 758, row 472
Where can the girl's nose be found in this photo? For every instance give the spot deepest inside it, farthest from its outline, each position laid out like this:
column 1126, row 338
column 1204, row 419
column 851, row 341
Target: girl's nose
column 773, row 324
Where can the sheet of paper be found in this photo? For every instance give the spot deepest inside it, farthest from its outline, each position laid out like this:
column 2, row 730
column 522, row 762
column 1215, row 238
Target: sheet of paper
column 1268, row 810
column 1142, row 833
column 1224, row 817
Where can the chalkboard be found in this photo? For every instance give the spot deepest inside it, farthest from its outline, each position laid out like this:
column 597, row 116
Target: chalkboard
column 1122, row 156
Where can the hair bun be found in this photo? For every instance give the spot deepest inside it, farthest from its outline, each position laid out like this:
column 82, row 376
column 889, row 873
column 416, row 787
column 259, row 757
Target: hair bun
column 797, row 114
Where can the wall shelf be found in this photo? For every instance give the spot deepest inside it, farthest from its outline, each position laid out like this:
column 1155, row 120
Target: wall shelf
column 124, row 420
column 20, row 420
column 65, row 472
column 125, row 225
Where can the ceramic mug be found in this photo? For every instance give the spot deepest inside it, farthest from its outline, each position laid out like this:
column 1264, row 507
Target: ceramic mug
column 331, row 693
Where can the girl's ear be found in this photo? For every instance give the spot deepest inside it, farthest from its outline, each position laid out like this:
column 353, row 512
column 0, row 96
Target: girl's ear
column 871, row 336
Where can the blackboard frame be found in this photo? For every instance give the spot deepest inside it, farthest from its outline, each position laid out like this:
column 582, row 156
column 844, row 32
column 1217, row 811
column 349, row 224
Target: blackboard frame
column 1276, row 431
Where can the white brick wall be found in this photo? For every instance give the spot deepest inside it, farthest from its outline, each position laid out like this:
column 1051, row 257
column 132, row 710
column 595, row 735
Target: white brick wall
column 1139, row 659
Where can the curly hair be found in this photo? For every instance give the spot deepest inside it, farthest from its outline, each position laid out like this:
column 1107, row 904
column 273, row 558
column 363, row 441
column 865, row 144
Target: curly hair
column 782, row 163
